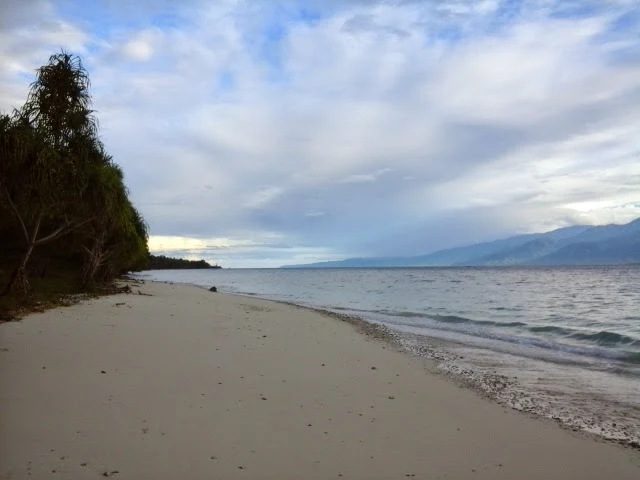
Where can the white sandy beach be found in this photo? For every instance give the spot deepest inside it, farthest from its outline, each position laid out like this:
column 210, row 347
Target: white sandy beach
column 185, row 383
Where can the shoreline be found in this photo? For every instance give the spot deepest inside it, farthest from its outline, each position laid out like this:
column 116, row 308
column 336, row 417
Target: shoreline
column 178, row 382
column 506, row 390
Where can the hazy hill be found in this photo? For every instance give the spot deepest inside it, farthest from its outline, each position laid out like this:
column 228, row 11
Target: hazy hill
column 577, row 245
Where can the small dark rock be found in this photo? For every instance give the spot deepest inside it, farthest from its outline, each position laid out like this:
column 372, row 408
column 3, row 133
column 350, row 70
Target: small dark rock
column 102, row 371
column 214, row 289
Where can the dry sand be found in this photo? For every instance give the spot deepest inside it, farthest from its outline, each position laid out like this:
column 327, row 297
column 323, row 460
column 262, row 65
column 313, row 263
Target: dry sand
column 192, row 384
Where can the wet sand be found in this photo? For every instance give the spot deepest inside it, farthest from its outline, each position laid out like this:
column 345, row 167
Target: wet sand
column 185, row 383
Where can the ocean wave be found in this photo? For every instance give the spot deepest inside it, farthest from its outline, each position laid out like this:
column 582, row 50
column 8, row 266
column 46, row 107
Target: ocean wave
column 602, row 338
column 603, row 344
column 605, row 337
column 452, row 319
column 551, row 329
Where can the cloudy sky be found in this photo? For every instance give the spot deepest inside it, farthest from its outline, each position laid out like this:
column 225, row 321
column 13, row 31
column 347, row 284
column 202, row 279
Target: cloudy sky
column 261, row 133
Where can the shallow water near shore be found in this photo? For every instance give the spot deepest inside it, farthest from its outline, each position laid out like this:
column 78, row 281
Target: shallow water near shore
column 558, row 342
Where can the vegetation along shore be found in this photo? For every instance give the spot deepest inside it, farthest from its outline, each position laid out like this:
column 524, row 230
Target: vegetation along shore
column 67, row 223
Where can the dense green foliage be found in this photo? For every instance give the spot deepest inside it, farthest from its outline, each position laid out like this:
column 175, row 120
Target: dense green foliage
column 161, row 262
column 63, row 202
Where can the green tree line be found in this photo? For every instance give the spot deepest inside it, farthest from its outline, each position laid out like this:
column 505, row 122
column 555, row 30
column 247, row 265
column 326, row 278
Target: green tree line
column 161, row 262
column 63, row 201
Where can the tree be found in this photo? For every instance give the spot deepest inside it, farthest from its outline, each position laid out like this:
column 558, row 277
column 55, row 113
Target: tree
column 57, row 180
column 46, row 149
column 112, row 224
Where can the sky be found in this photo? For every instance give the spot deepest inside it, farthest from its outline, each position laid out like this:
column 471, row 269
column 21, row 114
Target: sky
column 261, row 133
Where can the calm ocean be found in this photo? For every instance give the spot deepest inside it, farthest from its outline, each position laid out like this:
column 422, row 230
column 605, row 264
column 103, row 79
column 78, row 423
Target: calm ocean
column 564, row 341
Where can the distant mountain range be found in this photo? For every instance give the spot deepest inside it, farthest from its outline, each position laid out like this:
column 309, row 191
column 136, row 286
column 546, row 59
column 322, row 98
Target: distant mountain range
column 578, row 245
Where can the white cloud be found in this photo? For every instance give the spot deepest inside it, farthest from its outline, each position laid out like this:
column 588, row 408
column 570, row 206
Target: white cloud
column 262, row 197
column 138, row 49
column 365, row 177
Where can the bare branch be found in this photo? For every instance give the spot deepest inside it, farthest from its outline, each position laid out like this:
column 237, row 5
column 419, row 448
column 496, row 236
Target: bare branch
column 36, row 229
column 17, row 214
column 61, row 231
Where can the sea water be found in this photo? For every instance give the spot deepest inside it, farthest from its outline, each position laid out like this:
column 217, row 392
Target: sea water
column 559, row 342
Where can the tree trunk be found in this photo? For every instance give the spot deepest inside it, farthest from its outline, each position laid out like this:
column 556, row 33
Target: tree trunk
column 95, row 258
column 18, row 279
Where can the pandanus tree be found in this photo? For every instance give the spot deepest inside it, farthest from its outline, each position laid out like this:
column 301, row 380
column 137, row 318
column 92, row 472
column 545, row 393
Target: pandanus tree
column 111, row 224
column 128, row 245
column 56, row 178
column 46, row 149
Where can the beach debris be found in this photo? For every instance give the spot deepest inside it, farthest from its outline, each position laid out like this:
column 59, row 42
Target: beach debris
column 102, row 371
column 373, row 368
column 391, row 397
column 120, row 303
column 145, row 294
column 213, row 289
column 6, row 317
